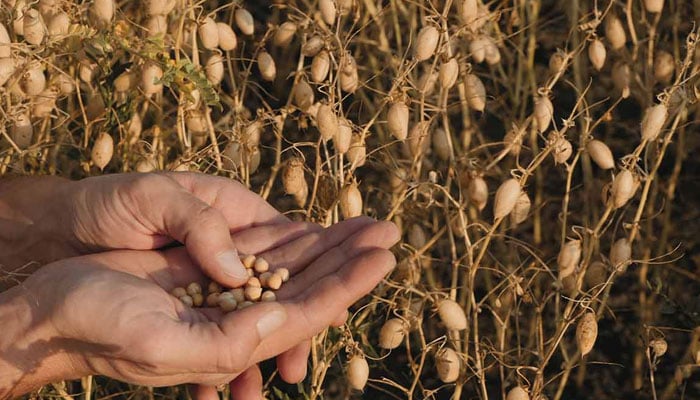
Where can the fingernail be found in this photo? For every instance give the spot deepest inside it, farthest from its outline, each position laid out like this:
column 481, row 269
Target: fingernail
column 231, row 264
column 270, row 322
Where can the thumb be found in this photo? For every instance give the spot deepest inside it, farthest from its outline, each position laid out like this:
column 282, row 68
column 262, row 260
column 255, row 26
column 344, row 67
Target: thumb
column 205, row 233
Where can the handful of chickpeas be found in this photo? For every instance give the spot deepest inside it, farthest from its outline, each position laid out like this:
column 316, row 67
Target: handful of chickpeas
column 261, row 286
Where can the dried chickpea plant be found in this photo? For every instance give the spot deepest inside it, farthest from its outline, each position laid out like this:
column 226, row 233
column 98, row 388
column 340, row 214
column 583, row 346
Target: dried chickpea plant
column 538, row 156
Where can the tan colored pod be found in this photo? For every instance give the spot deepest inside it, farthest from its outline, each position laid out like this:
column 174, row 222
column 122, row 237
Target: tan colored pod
column 615, row 32
column 586, row 333
column 664, row 66
column 478, row 192
column 621, row 255
column 348, row 77
column 302, row 195
column 227, row 37
column 208, row 33
column 397, row 120
column 328, row 11
column 597, row 54
column 244, row 21
column 8, row 66
column 320, row 66
column 513, row 141
column 34, row 80
column 506, row 197
column 214, row 69
column 34, row 28
column 103, row 10
column 350, row 201
column 569, row 258
column 284, row 34
column 601, row 154
column 392, row 334
column 427, row 82
column 327, row 122
column 654, row 119
column 477, row 48
column 448, row 365
column 22, row 130
column 102, row 150
column 557, row 62
column 562, row 150
column 151, row 74
column 44, row 103
column 251, row 133
column 342, row 140
column 125, row 82
column 312, row 46
column 596, row 274
column 623, row 188
column 654, row 6
column 303, row 95
column 441, row 144
column 357, row 153
column 658, row 347
column 5, row 42
column 476, row 92
column 521, row 209
column 159, row 7
column 493, row 54
column 449, row 72
column 419, row 138
column 452, row 315
column 544, row 112
column 416, row 236
column 156, row 25
column 468, row 11
column 357, row 372
column 517, row 393
column 622, row 78
column 426, row 43
column 293, row 175
column 266, row 66
column 196, row 122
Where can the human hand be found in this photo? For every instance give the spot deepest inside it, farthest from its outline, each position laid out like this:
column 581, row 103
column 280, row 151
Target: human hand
column 110, row 313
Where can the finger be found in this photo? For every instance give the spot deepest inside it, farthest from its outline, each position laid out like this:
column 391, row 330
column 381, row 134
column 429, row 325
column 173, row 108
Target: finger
column 265, row 238
column 292, row 364
column 297, row 254
column 316, row 308
column 340, row 319
column 239, row 206
column 202, row 392
column 248, row 385
column 381, row 234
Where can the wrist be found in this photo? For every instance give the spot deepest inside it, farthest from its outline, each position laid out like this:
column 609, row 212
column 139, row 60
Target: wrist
column 31, row 352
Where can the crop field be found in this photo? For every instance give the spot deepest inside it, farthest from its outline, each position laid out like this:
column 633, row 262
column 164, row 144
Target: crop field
column 541, row 158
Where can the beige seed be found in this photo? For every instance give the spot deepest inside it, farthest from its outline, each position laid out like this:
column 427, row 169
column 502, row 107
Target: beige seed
column 392, row 334
column 237, row 294
column 34, row 28
column 266, row 66
column 268, row 296
column 248, row 260
column 102, row 150
column 213, row 287
column 478, row 192
column 245, row 304
column 586, row 333
column 320, row 66
column 544, row 112
column 426, row 43
column 214, row 69
column 350, row 201
column 253, row 281
column 452, row 315
column 327, row 122
column 621, row 255
column 342, row 140
column 654, row 6
column 261, row 265
column 596, row 53
column 601, row 154
column 521, row 209
column 253, row 293
column 476, row 92
column 448, row 364
column 194, row 288
column 664, row 66
column 264, row 278
column 506, row 197
column 449, row 72
column 621, row 77
column 658, row 347
column 197, row 299
column 293, row 175
column 187, row 300
column 517, row 393
column 150, row 78
column 568, row 258
column 213, row 299
column 284, row 34
column 303, row 95
column 283, row 273
column 622, row 188
column 178, row 292
column 227, row 304
column 244, row 21
column 397, row 120
column 5, row 42
column 227, row 37
column 615, row 32
column 328, row 11
column 357, row 372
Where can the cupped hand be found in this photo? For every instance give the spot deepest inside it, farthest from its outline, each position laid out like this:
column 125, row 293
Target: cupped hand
column 113, row 313
column 149, row 211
